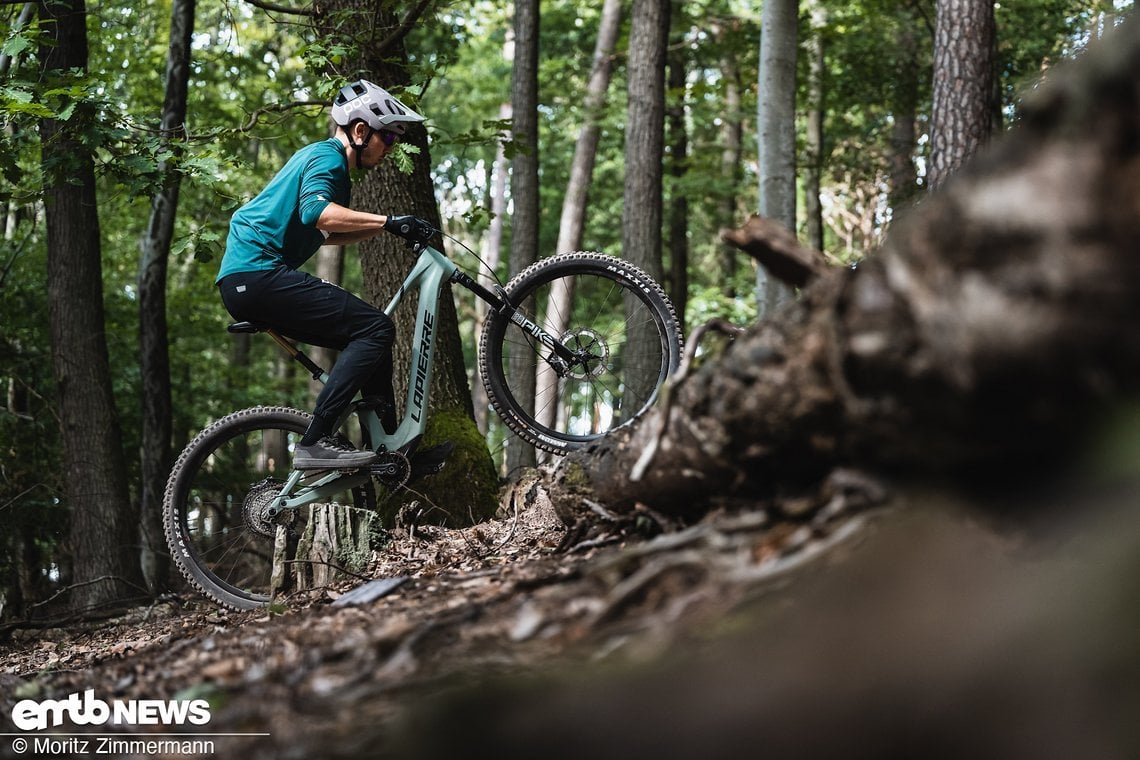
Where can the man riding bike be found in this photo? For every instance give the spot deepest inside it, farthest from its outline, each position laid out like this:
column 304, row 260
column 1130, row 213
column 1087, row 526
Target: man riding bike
column 305, row 206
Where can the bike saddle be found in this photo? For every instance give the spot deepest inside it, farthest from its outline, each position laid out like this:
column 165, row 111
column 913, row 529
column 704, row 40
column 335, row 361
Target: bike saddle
column 246, row 327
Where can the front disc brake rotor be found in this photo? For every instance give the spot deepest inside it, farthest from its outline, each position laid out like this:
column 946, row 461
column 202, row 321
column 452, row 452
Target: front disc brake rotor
column 591, row 353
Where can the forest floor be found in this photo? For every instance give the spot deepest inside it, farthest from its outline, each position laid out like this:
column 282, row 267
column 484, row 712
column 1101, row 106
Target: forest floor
column 506, row 638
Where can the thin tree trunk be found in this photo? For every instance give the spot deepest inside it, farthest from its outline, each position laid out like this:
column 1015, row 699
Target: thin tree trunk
column 154, row 349
column 732, row 159
column 644, row 155
column 572, row 221
column 104, row 532
column 678, row 166
column 776, row 123
column 524, row 194
column 904, row 176
column 817, row 107
column 22, row 20
column 492, row 255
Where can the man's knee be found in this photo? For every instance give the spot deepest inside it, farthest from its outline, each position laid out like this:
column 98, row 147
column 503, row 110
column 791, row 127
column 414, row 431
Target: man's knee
column 379, row 332
column 385, row 327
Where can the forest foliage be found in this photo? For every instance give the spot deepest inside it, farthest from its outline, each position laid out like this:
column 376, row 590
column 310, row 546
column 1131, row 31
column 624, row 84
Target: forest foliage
column 258, row 84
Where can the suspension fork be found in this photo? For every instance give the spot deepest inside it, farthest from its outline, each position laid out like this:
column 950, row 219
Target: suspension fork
column 561, row 359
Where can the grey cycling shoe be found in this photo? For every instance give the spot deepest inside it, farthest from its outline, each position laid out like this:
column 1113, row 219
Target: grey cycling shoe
column 330, row 454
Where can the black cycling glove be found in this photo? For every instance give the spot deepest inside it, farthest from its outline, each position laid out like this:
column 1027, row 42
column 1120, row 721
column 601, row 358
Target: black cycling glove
column 411, row 228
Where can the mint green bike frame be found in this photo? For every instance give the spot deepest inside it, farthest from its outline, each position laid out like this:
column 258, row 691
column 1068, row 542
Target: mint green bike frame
column 431, row 270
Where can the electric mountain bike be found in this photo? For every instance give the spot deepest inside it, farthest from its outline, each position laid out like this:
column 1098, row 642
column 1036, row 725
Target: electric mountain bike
column 573, row 347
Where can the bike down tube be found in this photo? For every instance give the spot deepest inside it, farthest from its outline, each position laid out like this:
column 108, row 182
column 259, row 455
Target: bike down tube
column 431, row 269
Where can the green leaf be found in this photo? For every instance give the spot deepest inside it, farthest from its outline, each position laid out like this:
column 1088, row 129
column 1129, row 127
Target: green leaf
column 15, row 46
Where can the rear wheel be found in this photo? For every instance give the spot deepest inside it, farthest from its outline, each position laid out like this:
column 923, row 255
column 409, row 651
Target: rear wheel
column 620, row 326
column 215, row 506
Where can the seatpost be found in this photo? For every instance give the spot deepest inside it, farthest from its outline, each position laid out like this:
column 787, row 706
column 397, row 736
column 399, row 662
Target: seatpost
column 297, row 354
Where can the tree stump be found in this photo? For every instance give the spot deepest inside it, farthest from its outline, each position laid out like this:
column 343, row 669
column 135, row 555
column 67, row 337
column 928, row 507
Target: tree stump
column 335, row 544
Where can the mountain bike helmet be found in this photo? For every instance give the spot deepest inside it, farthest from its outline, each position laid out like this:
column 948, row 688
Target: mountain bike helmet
column 373, row 105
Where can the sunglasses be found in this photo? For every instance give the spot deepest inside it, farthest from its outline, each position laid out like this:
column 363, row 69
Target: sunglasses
column 388, row 138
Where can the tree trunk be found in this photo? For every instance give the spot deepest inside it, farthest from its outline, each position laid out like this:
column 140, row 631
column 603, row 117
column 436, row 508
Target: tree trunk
column 154, row 348
column 732, row 159
column 904, row 177
column 104, row 532
column 813, row 209
column 572, row 221
column 678, row 166
column 386, row 261
column 983, row 341
column 22, row 20
column 524, row 195
column 492, row 255
column 776, row 123
column 962, row 112
column 644, row 155
column 329, row 267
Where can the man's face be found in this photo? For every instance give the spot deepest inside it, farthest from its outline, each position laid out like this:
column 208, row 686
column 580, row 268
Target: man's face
column 380, row 145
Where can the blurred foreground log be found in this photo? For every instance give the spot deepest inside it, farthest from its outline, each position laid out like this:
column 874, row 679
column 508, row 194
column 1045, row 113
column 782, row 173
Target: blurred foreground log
column 997, row 322
column 931, row 639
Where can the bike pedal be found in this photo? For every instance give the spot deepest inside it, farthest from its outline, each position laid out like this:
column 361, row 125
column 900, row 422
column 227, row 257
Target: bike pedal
column 430, row 461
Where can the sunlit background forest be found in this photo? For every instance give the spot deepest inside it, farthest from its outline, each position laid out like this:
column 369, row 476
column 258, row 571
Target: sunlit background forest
column 259, row 85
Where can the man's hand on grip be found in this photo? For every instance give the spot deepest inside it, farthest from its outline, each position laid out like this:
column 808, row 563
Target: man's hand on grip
column 411, row 228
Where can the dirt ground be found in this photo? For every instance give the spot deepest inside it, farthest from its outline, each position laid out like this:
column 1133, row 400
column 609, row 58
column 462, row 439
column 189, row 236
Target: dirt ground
column 506, row 599
column 911, row 626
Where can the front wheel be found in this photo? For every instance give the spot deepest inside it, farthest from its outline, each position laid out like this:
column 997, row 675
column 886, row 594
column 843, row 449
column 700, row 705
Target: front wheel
column 621, row 328
column 215, row 505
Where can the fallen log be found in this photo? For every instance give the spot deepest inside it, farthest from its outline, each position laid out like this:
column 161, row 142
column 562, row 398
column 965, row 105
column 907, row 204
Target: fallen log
column 982, row 342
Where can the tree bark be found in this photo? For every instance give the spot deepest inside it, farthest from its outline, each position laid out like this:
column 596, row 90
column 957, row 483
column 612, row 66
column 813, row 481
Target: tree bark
column 524, row 195
column 732, row 157
column 154, row 348
column 492, row 255
column 678, row 167
column 813, row 171
column 573, row 217
column 104, row 530
column 386, row 261
column 776, row 124
column 979, row 344
column 963, row 99
column 644, row 155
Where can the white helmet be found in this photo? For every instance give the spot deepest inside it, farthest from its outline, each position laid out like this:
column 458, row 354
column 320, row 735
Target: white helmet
column 373, row 105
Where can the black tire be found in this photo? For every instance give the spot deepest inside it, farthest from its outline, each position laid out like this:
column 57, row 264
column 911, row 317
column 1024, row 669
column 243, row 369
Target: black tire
column 208, row 529
column 624, row 329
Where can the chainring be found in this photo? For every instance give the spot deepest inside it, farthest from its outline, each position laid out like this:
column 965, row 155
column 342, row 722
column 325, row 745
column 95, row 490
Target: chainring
column 255, row 508
column 392, row 469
